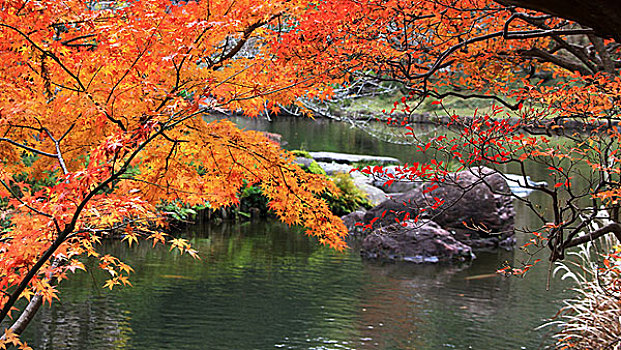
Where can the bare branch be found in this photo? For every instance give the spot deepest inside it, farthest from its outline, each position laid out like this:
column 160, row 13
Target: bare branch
column 28, row 148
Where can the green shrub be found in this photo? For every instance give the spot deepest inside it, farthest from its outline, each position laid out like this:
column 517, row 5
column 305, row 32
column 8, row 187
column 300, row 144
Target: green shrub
column 314, row 168
column 350, row 198
column 252, row 197
column 301, row 153
column 181, row 212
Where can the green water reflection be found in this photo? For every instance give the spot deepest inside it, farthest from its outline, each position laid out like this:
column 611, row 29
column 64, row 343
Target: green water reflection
column 266, row 286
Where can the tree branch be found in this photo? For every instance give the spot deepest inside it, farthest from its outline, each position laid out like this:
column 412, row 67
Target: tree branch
column 555, row 59
column 614, row 228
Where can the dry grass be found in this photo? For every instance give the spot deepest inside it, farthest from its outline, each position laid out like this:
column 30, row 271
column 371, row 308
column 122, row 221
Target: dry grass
column 592, row 319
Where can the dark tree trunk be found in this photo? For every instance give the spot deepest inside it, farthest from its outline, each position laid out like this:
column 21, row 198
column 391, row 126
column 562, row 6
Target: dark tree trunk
column 604, row 16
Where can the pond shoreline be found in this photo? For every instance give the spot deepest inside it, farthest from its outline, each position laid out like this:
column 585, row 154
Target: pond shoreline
column 549, row 126
column 557, row 126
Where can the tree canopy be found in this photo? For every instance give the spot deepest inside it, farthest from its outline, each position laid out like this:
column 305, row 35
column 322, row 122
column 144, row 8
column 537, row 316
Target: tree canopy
column 101, row 119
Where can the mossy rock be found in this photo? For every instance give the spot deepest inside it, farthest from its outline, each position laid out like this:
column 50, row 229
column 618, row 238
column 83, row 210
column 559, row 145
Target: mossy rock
column 350, row 198
column 301, row 153
column 314, row 168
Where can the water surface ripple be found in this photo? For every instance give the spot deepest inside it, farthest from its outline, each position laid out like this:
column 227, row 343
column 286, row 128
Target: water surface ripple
column 266, row 286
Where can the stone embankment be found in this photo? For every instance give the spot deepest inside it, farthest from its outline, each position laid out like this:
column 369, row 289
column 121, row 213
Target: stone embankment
column 548, row 126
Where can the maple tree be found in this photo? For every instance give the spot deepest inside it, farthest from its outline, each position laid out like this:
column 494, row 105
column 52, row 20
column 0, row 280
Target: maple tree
column 102, row 118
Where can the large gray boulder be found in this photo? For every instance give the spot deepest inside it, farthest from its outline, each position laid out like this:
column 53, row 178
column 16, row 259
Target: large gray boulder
column 365, row 184
column 350, row 220
column 400, row 181
column 303, row 162
column 335, row 168
column 422, row 242
column 477, row 207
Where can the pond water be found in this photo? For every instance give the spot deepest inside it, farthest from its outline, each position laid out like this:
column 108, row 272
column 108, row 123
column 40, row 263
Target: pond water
column 333, row 136
column 263, row 285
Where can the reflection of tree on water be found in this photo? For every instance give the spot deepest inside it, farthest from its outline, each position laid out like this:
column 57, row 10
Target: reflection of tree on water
column 394, row 299
column 261, row 285
column 94, row 323
column 257, row 285
column 406, row 306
